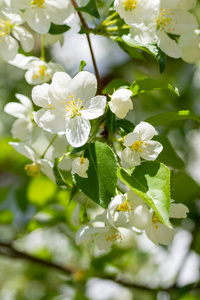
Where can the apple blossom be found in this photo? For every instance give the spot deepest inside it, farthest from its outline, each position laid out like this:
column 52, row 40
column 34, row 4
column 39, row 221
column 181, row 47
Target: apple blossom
column 121, row 103
column 68, row 105
column 190, row 46
column 138, row 144
column 170, row 18
column 134, row 12
column 11, row 32
column 22, row 128
column 39, row 71
column 40, row 13
column 80, row 166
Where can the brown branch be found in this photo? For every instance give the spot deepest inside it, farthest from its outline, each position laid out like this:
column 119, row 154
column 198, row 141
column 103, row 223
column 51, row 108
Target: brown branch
column 8, row 250
column 99, row 90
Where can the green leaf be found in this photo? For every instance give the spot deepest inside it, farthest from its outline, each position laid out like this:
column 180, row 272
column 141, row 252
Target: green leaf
column 168, row 155
column 166, row 118
column 114, row 85
column 6, row 217
column 90, row 8
column 133, row 49
column 4, row 193
column 58, row 29
column 102, row 179
column 110, row 121
column 82, row 65
column 60, row 180
column 150, row 181
column 76, row 150
column 150, row 84
column 125, row 126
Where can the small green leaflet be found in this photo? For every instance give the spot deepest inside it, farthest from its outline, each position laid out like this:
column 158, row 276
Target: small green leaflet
column 150, row 84
column 114, row 85
column 82, row 65
column 150, row 181
column 60, row 180
column 166, row 118
column 90, row 8
column 102, row 178
column 58, row 29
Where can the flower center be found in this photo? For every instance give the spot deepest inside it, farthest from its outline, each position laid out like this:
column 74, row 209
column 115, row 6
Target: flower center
column 74, row 107
column 165, row 20
column 130, row 4
column 41, row 72
column 126, row 206
column 5, row 28
column 155, row 220
column 82, row 160
column 32, row 170
column 137, row 146
column 39, row 3
column 113, row 238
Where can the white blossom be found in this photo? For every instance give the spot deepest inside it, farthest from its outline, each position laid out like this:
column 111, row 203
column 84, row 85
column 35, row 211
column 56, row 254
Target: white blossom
column 139, row 145
column 170, row 18
column 190, row 46
column 80, row 166
column 11, row 32
column 39, row 71
column 40, row 13
column 159, row 233
column 134, row 11
column 121, row 103
column 22, row 128
column 68, row 105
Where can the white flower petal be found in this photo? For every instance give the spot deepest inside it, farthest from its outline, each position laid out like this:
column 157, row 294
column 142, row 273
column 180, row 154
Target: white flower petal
column 14, row 16
column 144, row 33
column 186, row 4
column 40, row 95
column 47, row 168
column 160, row 234
column 120, row 107
column 25, row 150
column 52, row 121
column 37, row 19
column 131, row 157
column 60, row 10
column 20, row 4
column 131, row 138
column 94, row 108
column 145, row 130
column 60, row 88
column 182, row 22
column 25, row 101
column 77, row 131
column 75, row 216
column 167, row 45
column 178, row 210
column 25, row 38
column 151, row 150
column 22, row 129
column 140, row 216
column 8, row 48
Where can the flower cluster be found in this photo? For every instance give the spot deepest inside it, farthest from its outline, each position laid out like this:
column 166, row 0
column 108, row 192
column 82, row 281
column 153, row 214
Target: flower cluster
column 130, row 212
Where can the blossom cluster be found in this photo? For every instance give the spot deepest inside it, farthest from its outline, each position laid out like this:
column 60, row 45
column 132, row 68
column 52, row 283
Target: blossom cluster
column 70, row 114
column 128, row 212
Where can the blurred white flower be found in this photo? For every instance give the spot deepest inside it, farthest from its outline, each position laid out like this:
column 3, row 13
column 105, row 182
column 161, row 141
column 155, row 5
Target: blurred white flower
column 80, row 166
column 170, row 18
column 138, row 144
column 68, row 105
column 11, row 33
column 40, row 13
column 134, row 12
column 121, row 103
column 190, row 46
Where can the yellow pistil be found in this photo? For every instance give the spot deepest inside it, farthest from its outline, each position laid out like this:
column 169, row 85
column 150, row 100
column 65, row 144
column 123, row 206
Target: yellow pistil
column 32, row 170
column 82, row 160
column 126, row 206
column 39, row 3
column 74, row 107
column 130, row 4
column 137, row 146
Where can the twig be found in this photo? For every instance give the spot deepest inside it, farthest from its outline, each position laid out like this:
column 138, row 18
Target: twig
column 99, row 90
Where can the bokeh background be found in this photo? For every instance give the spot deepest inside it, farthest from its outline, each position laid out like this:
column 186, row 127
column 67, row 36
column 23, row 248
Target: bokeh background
column 39, row 259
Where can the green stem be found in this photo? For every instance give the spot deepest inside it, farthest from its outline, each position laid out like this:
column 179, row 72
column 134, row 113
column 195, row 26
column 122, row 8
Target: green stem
column 109, row 18
column 42, row 48
column 43, row 155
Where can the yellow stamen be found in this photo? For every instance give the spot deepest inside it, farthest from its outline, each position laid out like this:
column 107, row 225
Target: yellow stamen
column 32, row 170
column 130, row 4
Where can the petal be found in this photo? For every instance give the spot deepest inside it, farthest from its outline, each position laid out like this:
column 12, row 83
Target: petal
column 25, row 38
column 123, row 94
column 16, row 110
column 14, row 16
column 51, row 120
column 144, row 33
column 20, row 4
column 40, row 95
column 84, row 86
column 25, row 150
column 25, row 101
column 151, row 150
column 145, row 130
column 60, row 88
column 8, row 48
column 120, row 107
column 117, row 200
column 75, row 216
column 94, row 108
column 131, row 138
column 140, row 216
column 37, row 19
column 60, row 10
column 131, row 157
column 186, row 4
column 161, row 234
column 167, row 45
column 22, row 129
column 85, row 234
column 77, row 131
column 47, row 168
column 182, row 22
column 178, row 210
column 21, row 61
